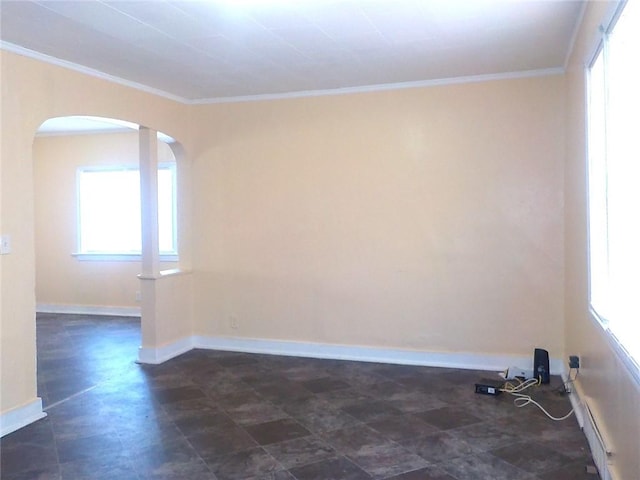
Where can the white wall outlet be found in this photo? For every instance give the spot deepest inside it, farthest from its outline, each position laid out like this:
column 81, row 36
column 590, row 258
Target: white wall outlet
column 138, row 297
column 5, row 244
column 233, row 322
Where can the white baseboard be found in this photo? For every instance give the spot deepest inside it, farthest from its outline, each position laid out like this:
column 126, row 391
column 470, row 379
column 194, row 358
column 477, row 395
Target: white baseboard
column 370, row 354
column 166, row 352
column 471, row 361
column 16, row 418
column 88, row 310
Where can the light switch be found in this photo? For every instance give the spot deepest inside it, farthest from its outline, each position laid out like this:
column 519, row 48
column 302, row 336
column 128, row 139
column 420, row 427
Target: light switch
column 5, row 244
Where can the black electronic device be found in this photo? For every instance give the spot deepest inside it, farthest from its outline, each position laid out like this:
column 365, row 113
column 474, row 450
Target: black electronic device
column 487, row 386
column 541, row 365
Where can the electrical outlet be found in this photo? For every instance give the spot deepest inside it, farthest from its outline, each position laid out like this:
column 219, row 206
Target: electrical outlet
column 5, row 244
column 233, row 322
column 138, row 297
column 574, row 361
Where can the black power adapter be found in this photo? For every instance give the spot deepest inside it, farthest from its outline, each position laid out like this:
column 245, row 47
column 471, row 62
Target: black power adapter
column 487, row 386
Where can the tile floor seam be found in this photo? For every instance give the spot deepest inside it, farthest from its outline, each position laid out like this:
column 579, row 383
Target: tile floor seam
column 186, row 439
column 169, row 401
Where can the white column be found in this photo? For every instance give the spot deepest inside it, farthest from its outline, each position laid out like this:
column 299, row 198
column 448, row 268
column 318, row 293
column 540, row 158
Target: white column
column 149, row 202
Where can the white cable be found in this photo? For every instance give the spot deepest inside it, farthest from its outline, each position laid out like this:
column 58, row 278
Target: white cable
column 522, row 400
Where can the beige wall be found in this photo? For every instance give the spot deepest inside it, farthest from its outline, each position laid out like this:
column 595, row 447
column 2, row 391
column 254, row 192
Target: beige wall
column 426, row 219
column 31, row 93
column 86, row 283
column 604, row 381
column 436, row 219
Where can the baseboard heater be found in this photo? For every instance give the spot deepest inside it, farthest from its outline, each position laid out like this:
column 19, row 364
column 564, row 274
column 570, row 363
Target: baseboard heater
column 599, row 449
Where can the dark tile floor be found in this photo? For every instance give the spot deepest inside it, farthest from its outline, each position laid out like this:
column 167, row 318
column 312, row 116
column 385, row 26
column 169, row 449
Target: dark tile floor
column 226, row 416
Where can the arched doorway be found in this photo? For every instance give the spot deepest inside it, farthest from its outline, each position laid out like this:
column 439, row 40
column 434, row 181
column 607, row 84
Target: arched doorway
column 75, row 276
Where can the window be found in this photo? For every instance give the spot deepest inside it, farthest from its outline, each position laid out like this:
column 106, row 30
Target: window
column 109, row 221
column 614, row 181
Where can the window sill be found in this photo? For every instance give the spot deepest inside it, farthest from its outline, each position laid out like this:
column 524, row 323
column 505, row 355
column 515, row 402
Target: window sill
column 632, row 365
column 119, row 257
column 173, row 272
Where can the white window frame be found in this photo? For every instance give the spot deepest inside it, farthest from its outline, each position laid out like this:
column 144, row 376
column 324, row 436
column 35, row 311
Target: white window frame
column 124, row 256
column 618, row 344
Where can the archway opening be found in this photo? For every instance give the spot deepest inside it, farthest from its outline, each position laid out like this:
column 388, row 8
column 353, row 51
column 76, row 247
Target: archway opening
column 88, row 252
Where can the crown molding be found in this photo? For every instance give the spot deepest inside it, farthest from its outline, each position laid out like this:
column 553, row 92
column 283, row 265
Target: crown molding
column 288, row 95
column 386, row 86
column 17, row 49
column 574, row 35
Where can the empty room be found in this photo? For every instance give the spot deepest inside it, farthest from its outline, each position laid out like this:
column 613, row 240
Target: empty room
column 350, row 239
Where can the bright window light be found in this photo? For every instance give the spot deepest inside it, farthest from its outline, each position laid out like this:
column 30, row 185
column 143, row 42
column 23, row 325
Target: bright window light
column 109, row 211
column 614, row 181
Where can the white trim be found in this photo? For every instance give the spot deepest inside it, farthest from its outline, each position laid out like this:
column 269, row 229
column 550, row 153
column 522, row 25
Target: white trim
column 470, row 361
column 97, row 131
column 386, row 86
column 341, row 352
column 88, row 310
column 166, row 352
column 17, row 418
column 574, row 35
column 171, row 272
column 630, row 363
column 121, row 257
column 614, row 12
column 10, row 47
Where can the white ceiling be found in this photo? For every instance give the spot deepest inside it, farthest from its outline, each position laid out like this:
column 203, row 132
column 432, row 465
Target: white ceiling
column 199, row 51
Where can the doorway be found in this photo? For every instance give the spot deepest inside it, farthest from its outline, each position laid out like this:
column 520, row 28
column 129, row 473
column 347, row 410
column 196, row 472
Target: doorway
column 88, row 301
